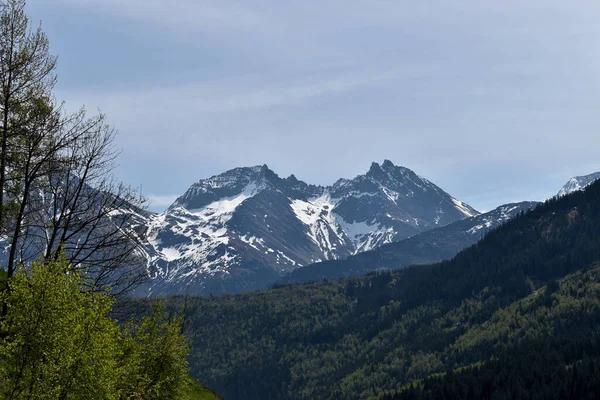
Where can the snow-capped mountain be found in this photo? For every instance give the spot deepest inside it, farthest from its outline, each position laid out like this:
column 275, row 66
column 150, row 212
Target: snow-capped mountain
column 247, row 227
column 578, row 183
column 431, row 246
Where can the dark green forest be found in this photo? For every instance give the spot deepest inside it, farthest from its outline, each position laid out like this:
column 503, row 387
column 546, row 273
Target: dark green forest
column 531, row 286
column 543, row 368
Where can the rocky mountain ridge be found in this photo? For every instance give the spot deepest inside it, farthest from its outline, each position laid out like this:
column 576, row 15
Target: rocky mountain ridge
column 429, row 247
column 245, row 228
column 578, row 183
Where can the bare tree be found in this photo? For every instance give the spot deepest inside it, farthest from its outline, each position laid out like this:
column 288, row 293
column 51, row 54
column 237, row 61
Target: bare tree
column 71, row 204
column 57, row 191
column 26, row 76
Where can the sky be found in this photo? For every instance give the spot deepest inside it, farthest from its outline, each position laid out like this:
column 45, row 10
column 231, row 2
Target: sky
column 494, row 101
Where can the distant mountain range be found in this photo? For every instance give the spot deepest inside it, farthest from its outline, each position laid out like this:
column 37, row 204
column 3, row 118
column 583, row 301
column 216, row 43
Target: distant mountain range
column 431, row 246
column 247, row 228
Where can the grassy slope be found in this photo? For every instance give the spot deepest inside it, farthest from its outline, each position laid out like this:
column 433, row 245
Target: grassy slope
column 198, row 392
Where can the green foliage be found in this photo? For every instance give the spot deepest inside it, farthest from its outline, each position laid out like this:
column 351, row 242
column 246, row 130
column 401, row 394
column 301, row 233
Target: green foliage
column 155, row 352
column 545, row 368
column 195, row 391
column 58, row 342
column 360, row 337
column 534, row 349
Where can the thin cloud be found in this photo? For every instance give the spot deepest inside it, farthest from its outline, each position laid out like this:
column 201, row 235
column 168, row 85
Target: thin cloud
column 482, row 95
column 209, row 99
column 180, row 15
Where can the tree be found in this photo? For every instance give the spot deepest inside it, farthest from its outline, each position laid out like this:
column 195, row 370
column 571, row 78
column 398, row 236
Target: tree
column 60, row 343
column 57, row 192
column 73, row 236
column 26, row 77
column 156, row 352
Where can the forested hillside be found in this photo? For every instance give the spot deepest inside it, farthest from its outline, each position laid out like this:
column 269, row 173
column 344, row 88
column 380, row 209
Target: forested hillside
column 535, row 277
column 545, row 346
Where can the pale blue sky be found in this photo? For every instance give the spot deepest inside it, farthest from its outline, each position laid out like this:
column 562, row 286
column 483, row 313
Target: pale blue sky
column 494, row 101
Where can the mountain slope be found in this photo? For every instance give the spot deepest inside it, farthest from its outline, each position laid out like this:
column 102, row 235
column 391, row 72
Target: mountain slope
column 359, row 337
column 244, row 229
column 431, row 246
column 561, row 363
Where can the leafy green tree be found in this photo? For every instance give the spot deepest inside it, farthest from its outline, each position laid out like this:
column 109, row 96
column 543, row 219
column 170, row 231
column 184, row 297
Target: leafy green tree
column 155, row 357
column 59, row 342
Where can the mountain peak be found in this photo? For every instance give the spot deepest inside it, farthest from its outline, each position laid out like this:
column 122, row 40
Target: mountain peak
column 578, row 183
column 229, row 183
column 387, row 164
column 375, row 167
column 387, row 170
column 254, row 170
column 390, row 174
column 249, row 221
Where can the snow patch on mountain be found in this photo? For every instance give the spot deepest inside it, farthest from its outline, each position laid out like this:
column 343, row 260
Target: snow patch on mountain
column 464, row 208
column 322, row 223
column 327, row 229
column 223, row 208
column 495, row 217
column 183, row 238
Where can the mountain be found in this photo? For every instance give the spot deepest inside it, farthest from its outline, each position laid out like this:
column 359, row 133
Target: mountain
column 515, row 316
column 426, row 248
column 578, row 183
column 246, row 228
